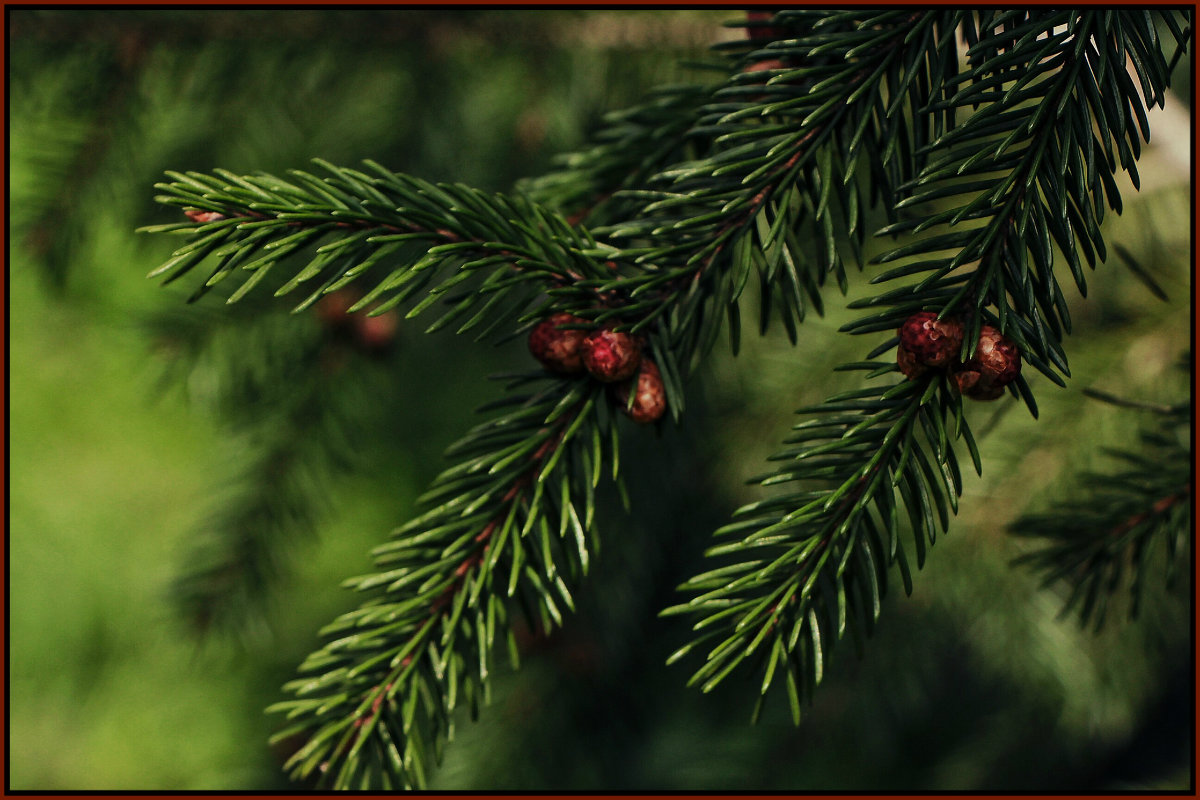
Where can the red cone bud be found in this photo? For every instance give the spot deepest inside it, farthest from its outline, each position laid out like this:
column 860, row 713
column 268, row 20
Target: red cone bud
column 333, row 309
column 376, row 334
column 558, row 349
column 995, row 364
column 611, row 356
column 649, row 396
column 932, row 342
column 998, row 358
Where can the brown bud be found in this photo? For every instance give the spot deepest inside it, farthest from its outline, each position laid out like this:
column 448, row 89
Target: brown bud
column 995, row 364
column 611, row 356
column 932, row 342
column 333, row 309
column 649, row 396
column 558, row 349
column 998, row 358
column 377, row 333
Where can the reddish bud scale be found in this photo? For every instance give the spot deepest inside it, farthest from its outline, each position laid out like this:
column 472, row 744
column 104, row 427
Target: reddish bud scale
column 649, row 395
column 558, row 349
column 997, row 355
column 932, row 342
column 196, row 215
column 995, row 364
column 611, row 356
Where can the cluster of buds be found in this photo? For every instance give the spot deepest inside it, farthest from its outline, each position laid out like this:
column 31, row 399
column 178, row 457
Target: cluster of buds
column 927, row 342
column 373, row 335
column 564, row 345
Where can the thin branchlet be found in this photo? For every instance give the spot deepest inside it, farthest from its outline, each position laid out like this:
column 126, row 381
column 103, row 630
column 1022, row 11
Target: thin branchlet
column 1099, row 537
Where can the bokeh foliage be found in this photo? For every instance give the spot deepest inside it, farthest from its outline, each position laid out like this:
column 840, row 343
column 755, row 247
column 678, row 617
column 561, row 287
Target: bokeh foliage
column 974, row 683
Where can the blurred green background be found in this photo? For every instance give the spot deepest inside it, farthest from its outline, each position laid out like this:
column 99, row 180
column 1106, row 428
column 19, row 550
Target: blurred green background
column 118, row 454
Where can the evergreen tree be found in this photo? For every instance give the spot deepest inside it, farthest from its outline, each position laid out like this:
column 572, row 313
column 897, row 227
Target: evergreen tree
column 988, row 143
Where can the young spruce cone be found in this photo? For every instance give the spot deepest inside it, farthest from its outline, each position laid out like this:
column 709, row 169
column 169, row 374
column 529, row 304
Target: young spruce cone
column 611, row 356
column 376, row 334
column 649, row 396
column 559, row 350
column 995, row 364
column 931, row 342
column 333, row 310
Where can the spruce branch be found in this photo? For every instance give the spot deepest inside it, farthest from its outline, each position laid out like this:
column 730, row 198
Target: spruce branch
column 691, row 196
column 1105, row 534
column 257, row 378
column 349, row 223
column 1027, row 164
column 632, row 145
column 226, row 578
column 510, row 526
column 807, row 564
column 784, row 166
column 1051, row 114
column 775, row 129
